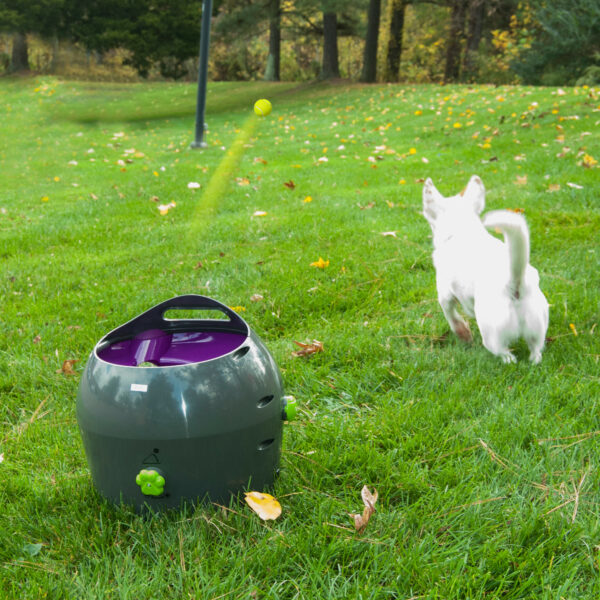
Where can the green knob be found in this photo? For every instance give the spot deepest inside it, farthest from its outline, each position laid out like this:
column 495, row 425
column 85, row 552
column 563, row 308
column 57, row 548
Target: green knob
column 290, row 408
column 151, row 482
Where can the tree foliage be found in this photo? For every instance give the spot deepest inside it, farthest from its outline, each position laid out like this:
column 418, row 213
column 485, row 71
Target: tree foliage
column 164, row 34
column 566, row 45
column 538, row 41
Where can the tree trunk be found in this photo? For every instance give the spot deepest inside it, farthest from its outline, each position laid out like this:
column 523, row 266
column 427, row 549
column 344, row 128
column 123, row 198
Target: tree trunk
column 394, row 49
column 20, row 55
column 331, row 66
column 475, row 28
column 369, row 71
column 453, row 47
column 274, row 57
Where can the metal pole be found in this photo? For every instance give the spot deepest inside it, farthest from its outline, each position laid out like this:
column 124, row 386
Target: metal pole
column 202, row 75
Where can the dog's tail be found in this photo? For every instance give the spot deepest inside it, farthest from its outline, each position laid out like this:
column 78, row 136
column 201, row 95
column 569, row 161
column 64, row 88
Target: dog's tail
column 516, row 235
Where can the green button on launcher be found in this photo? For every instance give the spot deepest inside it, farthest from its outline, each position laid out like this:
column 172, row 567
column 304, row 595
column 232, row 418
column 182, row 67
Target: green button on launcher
column 151, row 482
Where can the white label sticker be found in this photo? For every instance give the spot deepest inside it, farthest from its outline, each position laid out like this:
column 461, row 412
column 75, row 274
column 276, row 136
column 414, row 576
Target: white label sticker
column 139, row 387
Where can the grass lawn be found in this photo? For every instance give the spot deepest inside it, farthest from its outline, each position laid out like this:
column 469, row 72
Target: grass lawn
column 487, row 473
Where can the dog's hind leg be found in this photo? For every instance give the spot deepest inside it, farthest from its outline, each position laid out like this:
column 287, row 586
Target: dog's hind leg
column 455, row 320
column 493, row 342
column 536, row 345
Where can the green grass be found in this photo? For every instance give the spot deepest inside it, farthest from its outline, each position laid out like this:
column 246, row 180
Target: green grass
column 487, row 474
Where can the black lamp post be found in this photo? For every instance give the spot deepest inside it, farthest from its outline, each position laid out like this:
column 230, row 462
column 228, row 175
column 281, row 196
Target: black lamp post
column 202, row 75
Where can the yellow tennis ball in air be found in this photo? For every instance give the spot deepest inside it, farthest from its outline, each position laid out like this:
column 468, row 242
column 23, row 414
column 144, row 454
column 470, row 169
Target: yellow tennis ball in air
column 262, row 107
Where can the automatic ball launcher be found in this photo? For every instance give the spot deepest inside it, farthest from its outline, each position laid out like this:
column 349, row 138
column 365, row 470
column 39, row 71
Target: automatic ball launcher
column 174, row 410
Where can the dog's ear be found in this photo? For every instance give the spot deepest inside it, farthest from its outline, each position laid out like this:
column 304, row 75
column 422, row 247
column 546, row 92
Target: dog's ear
column 475, row 194
column 431, row 201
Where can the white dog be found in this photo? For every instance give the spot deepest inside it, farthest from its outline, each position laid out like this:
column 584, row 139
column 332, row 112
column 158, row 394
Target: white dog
column 492, row 280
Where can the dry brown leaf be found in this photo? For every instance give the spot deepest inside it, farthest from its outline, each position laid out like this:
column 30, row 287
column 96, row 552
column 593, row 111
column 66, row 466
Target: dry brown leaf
column 256, row 298
column 67, row 367
column 366, row 207
column 264, row 505
column 369, row 499
column 521, row 180
column 289, row 184
column 37, row 339
column 308, row 349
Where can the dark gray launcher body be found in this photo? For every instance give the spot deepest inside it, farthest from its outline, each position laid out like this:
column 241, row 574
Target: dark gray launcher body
column 200, row 420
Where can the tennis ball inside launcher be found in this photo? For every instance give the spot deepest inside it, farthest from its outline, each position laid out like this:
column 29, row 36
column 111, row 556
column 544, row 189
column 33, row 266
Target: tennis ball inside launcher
column 262, row 107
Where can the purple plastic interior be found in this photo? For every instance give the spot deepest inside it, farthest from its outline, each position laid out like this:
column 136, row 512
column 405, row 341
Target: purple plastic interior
column 165, row 349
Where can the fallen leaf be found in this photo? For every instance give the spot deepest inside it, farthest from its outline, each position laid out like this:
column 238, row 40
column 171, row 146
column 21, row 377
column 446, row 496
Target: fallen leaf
column 242, row 181
column 367, row 206
column 369, row 499
column 164, row 208
column 575, row 186
column 67, row 367
column 289, row 184
column 256, row 298
column 308, row 349
column 264, row 505
column 589, row 161
column 521, row 180
column 389, row 234
column 37, row 339
column 32, row 549
column 554, row 187
column 258, row 159
column 320, row 264
column 259, row 213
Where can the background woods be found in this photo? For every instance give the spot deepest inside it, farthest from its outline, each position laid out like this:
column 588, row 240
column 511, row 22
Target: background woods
column 497, row 41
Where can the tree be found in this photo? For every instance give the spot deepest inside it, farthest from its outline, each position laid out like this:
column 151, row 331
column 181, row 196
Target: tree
column 369, row 71
column 19, row 58
column 21, row 18
column 454, row 43
column 330, row 66
column 396, row 33
column 566, row 44
column 274, row 56
column 475, row 21
column 156, row 33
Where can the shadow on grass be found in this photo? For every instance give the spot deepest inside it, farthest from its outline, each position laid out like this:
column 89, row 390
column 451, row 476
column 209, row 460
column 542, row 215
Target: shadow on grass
column 97, row 104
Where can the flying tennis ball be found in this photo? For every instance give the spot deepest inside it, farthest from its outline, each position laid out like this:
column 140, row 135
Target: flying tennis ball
column 262, row 107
